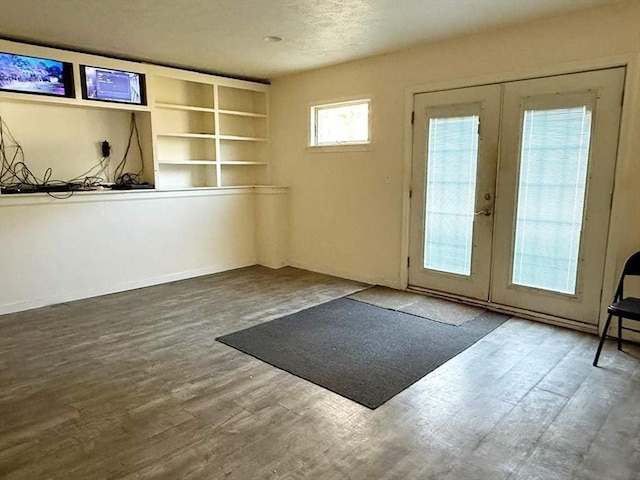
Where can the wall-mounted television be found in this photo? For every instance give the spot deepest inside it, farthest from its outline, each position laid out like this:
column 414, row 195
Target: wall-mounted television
column 41, row 76
column 109, row 85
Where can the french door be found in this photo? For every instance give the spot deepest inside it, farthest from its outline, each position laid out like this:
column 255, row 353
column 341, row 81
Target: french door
column 511, row 189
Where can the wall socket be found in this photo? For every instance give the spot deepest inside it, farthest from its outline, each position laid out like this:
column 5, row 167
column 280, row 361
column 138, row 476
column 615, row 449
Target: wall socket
column 106, row 148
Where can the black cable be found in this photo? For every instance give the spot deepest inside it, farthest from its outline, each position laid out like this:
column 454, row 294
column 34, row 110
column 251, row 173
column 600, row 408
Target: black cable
column 8, row 172
column 88, row 179
column 61, row 197
column 120, row 177
column 14, row 172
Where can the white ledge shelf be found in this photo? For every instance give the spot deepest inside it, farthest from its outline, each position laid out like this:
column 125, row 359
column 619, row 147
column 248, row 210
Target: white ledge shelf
column 244, row 139
column 189, row 135
column 242, row 114
column 187, row 162
column 211, row 162
column 23, row 97
column 213, row 136
column 242, row 162
column 21, row 199
column 177, row 106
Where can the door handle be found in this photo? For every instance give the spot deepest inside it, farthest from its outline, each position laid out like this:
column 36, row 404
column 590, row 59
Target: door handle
column 486, row 213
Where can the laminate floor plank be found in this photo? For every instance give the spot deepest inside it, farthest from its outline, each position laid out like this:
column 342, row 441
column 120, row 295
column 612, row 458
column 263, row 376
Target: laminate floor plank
column 134, row 386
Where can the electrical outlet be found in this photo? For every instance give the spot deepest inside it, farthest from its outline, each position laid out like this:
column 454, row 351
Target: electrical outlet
column 106, row 149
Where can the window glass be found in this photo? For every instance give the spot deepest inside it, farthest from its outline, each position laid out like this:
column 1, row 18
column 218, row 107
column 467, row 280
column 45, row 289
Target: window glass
column 340, row 123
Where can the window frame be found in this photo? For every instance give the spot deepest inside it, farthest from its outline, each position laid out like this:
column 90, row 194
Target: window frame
column 314, row 108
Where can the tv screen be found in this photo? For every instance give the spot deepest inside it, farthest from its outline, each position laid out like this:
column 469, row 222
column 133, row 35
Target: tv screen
column 112, row 85
column 43, row 76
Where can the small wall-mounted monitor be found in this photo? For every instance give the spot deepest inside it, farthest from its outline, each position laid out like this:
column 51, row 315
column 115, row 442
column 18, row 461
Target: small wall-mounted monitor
column 112, row 85
column 41, row 76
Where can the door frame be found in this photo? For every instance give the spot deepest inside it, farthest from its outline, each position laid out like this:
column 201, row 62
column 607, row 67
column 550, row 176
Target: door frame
column 612, row 263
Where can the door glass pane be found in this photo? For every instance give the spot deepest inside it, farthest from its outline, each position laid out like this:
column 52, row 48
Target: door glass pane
column 551, row 193
column 452, row 156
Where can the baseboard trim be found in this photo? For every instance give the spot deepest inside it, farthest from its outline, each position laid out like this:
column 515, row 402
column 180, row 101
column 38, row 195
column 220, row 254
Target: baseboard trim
column 121, row 287
column 518, row 312
column 274, row 265
column 342, row 274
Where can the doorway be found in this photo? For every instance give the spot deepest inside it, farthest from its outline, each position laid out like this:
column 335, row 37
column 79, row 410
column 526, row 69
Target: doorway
column 511, row 191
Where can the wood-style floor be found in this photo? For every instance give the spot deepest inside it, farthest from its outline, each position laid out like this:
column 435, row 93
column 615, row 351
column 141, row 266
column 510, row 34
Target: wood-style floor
column 134, row 386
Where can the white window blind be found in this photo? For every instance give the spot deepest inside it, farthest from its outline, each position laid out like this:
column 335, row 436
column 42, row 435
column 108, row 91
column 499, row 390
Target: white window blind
column 452, row 161
column 551, row 194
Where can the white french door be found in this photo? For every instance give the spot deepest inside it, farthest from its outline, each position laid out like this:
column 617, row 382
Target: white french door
column 511, row 188
column 455, row 148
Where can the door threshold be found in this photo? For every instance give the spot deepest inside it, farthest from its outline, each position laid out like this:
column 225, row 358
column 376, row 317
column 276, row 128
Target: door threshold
column 519, row 312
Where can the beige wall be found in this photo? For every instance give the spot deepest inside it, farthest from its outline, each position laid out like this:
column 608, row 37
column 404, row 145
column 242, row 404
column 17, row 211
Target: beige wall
column 93, row 244
column 347, row 214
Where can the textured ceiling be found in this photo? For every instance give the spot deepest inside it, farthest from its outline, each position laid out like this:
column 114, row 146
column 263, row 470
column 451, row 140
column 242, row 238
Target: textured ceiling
column 226, row 36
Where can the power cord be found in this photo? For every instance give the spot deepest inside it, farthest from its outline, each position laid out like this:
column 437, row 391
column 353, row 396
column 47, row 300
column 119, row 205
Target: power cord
column 14, row 172
column 120, row 177
column 16, row 176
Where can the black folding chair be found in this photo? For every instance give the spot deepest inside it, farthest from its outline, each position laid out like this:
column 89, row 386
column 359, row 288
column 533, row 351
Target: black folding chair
column 621, row 307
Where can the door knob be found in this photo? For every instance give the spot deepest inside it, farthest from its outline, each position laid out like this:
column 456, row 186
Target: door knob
column 486, row 213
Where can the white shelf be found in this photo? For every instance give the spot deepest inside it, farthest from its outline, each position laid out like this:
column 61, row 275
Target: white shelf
column 242, row 162
column 189, row 135
column 242, row 114
column 176, row 106
column 72, row 102
column 205, row 189
column 187, row 162
column 243, row 139
column 212, row 162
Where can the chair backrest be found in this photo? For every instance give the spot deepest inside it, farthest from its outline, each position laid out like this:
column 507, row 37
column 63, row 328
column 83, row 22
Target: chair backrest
column 632, row 266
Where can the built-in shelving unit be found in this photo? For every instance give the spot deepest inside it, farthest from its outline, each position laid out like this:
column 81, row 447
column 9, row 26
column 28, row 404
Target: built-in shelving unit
column 202, row 143
column 197, row 131
column 208, row 131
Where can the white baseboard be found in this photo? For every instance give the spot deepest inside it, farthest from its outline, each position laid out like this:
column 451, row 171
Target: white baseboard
column 274, row 265
column 346, row 275
column 119, row 287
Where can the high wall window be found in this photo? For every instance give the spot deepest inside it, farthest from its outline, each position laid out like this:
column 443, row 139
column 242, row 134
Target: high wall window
column 345, row 123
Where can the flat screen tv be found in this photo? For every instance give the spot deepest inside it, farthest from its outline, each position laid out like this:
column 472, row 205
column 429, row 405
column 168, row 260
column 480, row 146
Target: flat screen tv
column 41, row 76
column 109, row 85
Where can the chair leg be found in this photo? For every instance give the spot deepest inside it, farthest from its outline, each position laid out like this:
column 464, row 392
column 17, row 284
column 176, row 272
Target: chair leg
column 604, row 336
column 619, row 333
